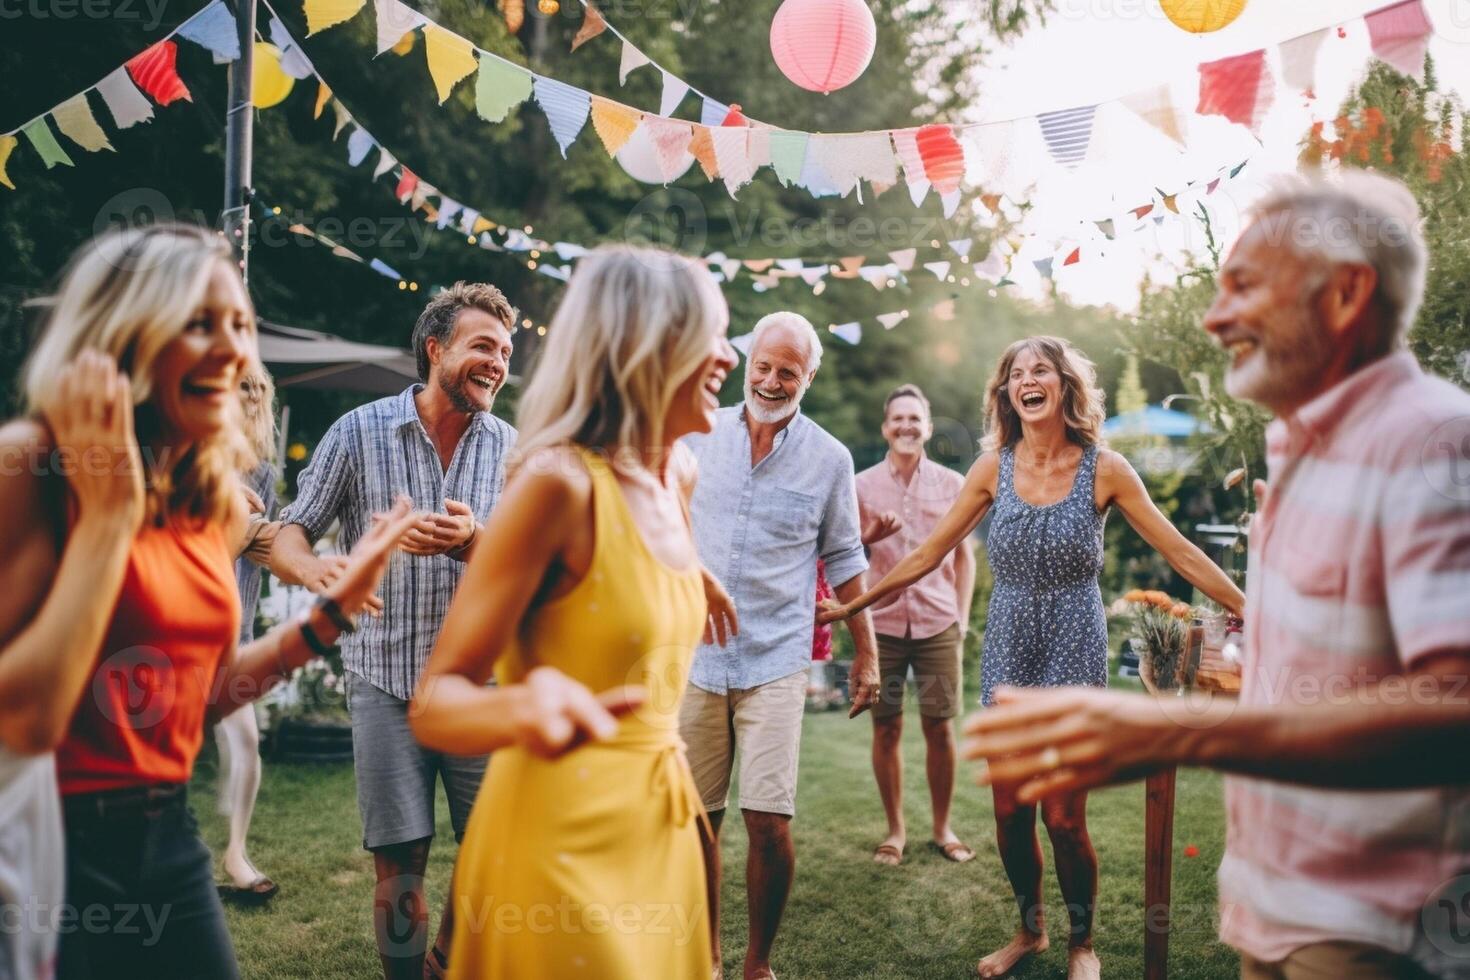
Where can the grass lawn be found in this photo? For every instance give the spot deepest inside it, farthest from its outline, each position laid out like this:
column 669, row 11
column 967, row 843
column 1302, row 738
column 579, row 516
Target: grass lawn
column 847, row 918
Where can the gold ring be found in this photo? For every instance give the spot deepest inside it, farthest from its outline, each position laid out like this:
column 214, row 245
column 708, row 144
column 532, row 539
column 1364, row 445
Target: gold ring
column 1051, row 757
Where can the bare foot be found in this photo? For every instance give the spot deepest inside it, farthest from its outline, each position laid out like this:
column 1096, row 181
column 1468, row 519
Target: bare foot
column 890, row 852
column 1000, row 962
column 762, row 972
column 1082, row 964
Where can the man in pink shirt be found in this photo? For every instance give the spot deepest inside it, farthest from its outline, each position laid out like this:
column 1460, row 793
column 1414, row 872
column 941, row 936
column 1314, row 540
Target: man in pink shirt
column 1348, row 846
column 923, row 628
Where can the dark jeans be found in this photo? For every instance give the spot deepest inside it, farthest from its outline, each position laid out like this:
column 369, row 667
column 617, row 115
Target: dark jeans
column 140, row 893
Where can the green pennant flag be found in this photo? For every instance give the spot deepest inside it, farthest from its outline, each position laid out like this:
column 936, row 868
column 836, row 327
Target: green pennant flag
column 40, row 136
column 788, row 154
column 499, row 88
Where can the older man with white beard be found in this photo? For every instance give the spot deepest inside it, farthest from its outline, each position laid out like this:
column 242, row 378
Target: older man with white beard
column 774, row 493
column 1348, row 812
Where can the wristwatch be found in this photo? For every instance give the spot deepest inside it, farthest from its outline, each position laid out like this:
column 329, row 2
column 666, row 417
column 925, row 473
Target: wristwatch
column 333, row 612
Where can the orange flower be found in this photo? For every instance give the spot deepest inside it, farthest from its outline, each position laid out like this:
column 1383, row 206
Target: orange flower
column 1181, row 610
column 1156, row 598
column 1134, row 595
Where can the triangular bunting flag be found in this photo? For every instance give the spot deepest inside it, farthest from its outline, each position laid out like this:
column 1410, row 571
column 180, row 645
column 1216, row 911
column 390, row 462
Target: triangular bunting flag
column 788, row 154
column 293, row 60
column 1068, row 133
column 1299, row 60
column 566, row 109
column 1143, row 211
column 1236, row 172
column 891, row 320
column 127, row 105
column 1107, row 228
column 1238, row 88
column 569, row 250
column 343, row 118
column 906, row 148
column 703, row 148
column 943, row 156
column 992, row 148
column 1212, row 186
column 919, row 190
column 75, row 120
column 386, row 162
column 1171, row 201
column 481, row 226
column 592, row 25
column 742, row 343
column 418, row 198
column 904, row 258
column 323, row 93
column 632, row 58
column 1043, row 266
column 950, row 203
column 758, row 265
column 451, row 58
column 993, row 268
column 215, row 30
column 814, row 275
column 155, row 72
column 712, row 113
column 869, row 156
column 613, row 122
column 961, row 248
column 406, row 185
column 850, row 332
column 1074, row 258
column 395, row 19
column 1156, row 106
column 674, row 91
column 1400, row 36
column 670, row 139
column 825, row 173
column 358, row 146
column 7, row 147
column 991, row 202
column 448, row 208
column 940, row 269
column 321, row 14
column 384, row 269
column 499, row 88
column 791, row 265
column 39, row 133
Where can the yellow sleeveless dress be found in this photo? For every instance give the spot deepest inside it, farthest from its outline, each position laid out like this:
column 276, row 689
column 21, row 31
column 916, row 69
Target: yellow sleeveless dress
column 590, row 865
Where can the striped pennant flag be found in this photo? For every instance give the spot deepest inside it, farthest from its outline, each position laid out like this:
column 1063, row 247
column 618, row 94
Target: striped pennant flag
column 1068, row 133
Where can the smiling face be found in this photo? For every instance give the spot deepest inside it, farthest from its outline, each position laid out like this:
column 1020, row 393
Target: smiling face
column 906, row 426
column 471, row 368
column 1034, row 387
column 776, row 374
column 698, row 398
column 196, row 375
column 1265, row 315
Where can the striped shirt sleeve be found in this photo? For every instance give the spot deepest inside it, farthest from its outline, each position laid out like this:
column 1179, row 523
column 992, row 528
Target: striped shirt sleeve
column 323, row 485
column 840, row 541
column 1426, row 556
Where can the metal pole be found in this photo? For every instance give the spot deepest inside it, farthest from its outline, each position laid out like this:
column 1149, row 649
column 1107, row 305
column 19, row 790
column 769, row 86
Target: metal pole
column 239, row 140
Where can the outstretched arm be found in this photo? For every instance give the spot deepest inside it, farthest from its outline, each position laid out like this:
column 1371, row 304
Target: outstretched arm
column 967, row 511
column 1121, row 485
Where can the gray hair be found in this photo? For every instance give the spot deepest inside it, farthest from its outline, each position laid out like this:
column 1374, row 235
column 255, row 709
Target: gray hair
column 1359, row 218
column 796, row 322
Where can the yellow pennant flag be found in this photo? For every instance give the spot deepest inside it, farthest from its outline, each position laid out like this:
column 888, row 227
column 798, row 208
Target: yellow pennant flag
column 482, row 224
column 75, row 120
column 614, row 123
column 322, row 95
column 7, row 147
column 321, row 14
column 703, row 148
column 451, row 58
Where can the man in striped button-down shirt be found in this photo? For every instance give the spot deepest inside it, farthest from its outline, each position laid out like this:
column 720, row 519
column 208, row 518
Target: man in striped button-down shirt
column 1348, row 808
column 438, row 443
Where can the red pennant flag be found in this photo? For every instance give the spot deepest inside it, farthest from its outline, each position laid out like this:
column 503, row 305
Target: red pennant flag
column 155, row 72
column 1143, row 212
column 1238, row 88
column 1075, row 257
column 406, row 185
column 735, row 117
column 943, row 156
column 1400, row 35
column 1210, row 189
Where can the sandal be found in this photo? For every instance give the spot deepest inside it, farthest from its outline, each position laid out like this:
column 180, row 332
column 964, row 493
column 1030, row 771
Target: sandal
column 956, row 851
column 258, row 892
column 884, row 852
column 436, row 964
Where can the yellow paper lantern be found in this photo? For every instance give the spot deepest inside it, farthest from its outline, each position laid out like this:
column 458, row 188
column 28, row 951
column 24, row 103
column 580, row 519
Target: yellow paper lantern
column 1202, row 16
column 271, row 85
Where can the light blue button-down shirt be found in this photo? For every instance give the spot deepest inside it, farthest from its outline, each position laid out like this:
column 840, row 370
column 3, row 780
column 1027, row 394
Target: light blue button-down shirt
column 760, row 531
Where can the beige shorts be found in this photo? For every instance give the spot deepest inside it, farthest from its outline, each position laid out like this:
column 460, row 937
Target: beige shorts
column 1334, row 961
column 936, row 663
column 762, row 725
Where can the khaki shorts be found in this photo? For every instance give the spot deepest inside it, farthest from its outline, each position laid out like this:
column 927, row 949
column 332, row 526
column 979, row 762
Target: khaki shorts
column 1334, row 961
column 936, row 663
column 761, row 724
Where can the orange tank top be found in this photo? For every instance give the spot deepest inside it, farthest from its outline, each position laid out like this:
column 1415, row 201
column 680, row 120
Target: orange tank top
column 141, row 719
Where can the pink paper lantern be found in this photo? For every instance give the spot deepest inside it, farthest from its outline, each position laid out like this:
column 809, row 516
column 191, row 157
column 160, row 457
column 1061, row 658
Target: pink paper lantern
column 823, row 45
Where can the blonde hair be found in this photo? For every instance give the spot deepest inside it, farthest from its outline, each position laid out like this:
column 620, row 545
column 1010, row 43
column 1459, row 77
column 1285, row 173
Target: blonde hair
column 634, row 324
column 258, row 403
column 128, row 294
column 1082, row 399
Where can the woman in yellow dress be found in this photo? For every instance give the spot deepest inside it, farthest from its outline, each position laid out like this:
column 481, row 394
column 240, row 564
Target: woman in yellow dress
column 582, row 857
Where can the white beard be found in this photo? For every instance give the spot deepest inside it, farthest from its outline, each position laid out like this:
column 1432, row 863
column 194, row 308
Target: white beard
column 767, row 414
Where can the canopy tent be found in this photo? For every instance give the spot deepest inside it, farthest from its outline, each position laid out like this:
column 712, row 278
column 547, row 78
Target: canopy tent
column 302, row 358
column 1152, row 420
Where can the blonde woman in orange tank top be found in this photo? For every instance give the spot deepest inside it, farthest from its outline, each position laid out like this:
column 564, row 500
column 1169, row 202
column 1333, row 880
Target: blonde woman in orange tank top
column 583, row 858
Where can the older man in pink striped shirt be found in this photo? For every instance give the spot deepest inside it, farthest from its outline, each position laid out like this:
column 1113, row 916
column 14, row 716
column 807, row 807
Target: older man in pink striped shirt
column 1348, row 848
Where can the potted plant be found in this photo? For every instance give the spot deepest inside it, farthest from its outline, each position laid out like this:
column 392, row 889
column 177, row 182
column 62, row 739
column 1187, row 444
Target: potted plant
column 1167, row 639
column 309, row 722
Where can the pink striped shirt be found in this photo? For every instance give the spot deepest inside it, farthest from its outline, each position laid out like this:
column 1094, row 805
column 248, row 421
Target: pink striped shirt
column 931, row 605
column 1359, row 570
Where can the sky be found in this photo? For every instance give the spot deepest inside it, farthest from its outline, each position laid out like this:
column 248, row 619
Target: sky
column 1095, row 50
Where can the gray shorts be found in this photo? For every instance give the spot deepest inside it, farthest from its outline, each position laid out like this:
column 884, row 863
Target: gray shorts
column 395, row 774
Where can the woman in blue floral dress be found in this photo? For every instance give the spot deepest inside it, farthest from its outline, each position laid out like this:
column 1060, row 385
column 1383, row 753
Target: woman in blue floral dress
column 1048, row 483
